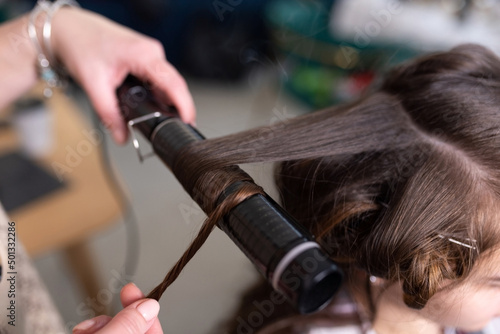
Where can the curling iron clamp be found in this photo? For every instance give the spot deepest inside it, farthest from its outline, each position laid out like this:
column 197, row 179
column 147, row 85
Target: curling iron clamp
column 287, row 255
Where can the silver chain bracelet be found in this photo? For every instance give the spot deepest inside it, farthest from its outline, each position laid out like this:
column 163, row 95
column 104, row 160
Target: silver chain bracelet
column 50, row 73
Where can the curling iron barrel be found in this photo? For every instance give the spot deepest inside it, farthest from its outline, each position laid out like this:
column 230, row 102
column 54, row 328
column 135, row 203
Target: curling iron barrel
column 277, row 245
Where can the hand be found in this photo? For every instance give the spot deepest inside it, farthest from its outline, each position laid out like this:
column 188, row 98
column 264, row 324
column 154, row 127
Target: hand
column 139, row 316
column 99, row 54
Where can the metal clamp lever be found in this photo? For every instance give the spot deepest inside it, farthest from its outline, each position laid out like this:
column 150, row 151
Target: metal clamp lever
column 131, row 125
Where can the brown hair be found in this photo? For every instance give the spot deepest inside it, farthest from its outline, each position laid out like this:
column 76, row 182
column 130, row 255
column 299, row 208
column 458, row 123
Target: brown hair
column 386, row 181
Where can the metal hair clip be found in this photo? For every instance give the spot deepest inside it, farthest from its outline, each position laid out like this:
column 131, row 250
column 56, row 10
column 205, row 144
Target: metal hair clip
column 135, row 141
column 455, row 241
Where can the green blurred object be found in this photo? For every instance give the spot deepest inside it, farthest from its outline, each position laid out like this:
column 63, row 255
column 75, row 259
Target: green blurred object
column 321, row 69
column 3, row 13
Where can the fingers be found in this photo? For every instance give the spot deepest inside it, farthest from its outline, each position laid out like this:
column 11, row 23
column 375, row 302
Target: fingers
column 155, row 327
column 165, row 80
column 137, row 318
column 129, row 294
column 145, row 59
column 134, row 319
column 170, row 86
column 92, row 325
column 101, row 91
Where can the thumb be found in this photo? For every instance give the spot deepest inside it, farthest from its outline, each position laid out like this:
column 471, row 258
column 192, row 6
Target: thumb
column 101, row 91
column 137, row 318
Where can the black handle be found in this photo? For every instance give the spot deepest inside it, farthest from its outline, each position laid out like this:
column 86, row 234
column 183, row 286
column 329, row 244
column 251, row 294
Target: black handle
column 275, row 243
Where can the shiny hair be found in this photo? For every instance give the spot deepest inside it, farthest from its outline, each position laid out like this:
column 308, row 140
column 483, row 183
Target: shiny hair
column 385, row 182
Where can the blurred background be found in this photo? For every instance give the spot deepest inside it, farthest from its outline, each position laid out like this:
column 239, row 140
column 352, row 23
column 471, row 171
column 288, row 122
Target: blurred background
column 93, row 217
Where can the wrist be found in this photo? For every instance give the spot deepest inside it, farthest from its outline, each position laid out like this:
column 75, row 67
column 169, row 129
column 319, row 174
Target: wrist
column 17, row 60
column 20, row 43
column 48, row 68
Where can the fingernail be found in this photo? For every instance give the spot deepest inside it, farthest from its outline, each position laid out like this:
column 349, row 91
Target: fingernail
column 149, row 309
column 82, row 326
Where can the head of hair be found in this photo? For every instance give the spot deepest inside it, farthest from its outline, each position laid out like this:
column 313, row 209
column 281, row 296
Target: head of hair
column 391, row 209
column 385, row 182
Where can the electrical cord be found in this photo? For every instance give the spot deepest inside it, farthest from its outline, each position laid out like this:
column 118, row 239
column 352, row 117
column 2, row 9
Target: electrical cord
column 130, row 221
column 129, row 217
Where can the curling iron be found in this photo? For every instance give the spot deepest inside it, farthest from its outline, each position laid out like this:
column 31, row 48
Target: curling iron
column 281, row 249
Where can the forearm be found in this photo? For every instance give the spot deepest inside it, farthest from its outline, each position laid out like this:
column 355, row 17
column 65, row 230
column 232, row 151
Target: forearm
column 17, row 60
